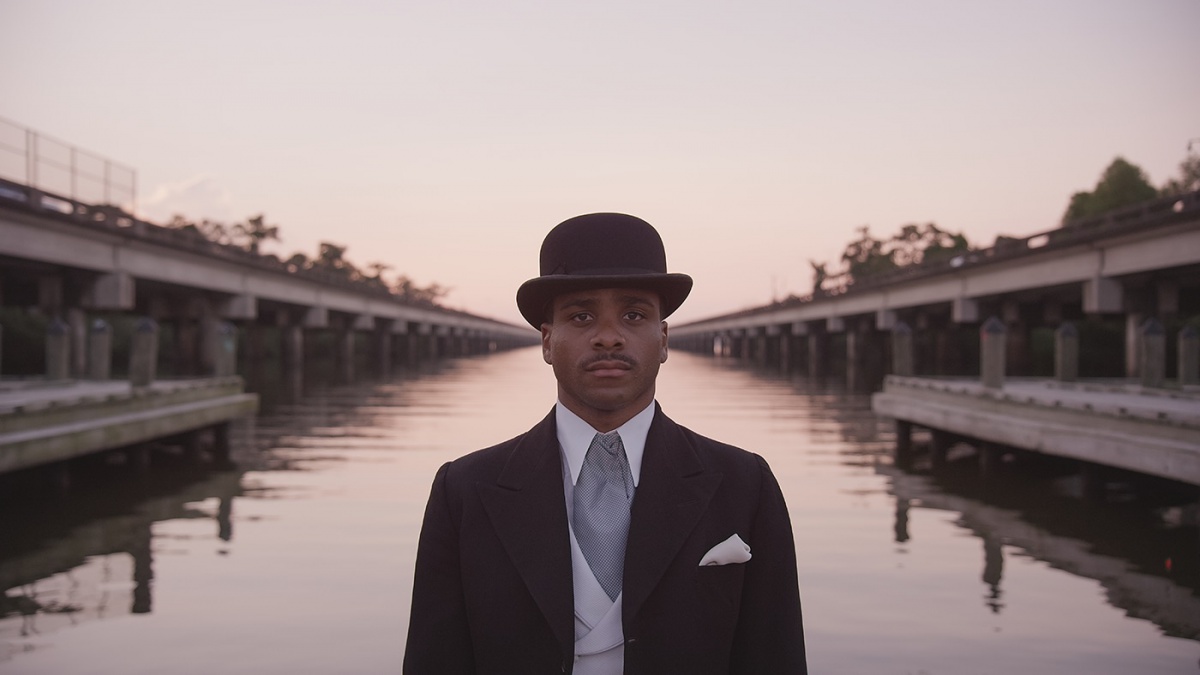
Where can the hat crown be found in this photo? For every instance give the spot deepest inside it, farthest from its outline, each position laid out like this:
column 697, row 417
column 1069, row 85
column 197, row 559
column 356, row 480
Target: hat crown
column 603, row 244
column 601, row 250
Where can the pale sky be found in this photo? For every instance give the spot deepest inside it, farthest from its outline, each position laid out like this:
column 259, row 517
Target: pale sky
column 446, row 138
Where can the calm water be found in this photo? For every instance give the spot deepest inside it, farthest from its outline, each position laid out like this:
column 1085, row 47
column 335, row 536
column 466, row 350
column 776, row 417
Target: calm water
column 300, row 560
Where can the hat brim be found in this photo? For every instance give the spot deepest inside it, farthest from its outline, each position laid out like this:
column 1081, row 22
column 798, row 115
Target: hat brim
column 534, row 296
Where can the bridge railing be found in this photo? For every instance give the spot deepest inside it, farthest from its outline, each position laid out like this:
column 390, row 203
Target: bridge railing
column 1154, row 213
column 28, row 157
column 117, row 221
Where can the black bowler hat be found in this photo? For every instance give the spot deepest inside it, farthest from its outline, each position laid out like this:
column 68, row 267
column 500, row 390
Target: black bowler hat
column 601, row 250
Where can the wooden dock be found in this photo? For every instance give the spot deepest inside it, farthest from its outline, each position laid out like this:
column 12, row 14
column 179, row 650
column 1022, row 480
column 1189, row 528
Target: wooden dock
column 45, row 422
column 1147, row 430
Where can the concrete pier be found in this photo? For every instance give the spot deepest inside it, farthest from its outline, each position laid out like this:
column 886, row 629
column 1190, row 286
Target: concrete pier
column 42, row 423
column 1149, row 431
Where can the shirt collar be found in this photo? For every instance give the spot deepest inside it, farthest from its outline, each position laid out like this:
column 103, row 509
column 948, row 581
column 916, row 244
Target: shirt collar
column 575, row 435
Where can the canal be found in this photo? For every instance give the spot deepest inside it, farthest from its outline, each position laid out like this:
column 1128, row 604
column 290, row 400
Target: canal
column 298, row 558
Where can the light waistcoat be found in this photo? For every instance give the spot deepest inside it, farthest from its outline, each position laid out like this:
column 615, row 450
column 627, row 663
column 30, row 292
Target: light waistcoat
column 599, row 636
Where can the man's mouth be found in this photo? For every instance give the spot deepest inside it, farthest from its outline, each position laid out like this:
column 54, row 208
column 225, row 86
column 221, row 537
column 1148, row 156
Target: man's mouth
column 609, row 366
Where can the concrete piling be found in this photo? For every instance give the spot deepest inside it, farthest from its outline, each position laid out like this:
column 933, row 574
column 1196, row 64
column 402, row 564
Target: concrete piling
column 58, row 350
column 992, row 336
column 902, row 350
column 225, row 356
column 143, row 360
column 1189, row 356
column 1066, row 353
column 99, row 350
column 1152, row 355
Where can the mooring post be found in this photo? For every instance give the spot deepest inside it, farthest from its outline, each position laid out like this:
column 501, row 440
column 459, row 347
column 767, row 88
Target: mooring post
column 992, row 337
column 1153, row 356
column 58, row 350
column 143, row 359
column 99, row 350
column 1066, row 353
column 1189, row 356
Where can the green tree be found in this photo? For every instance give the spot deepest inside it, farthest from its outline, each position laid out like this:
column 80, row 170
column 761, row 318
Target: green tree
column 332, row 258
column 253, row 232
column 868, row 257
column 1121, row 184
column 1189, row 176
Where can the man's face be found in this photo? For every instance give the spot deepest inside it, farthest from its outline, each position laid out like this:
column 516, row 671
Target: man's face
column 605, row 346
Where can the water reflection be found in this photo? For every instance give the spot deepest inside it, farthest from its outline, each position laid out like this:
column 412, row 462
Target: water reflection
column 299, row 559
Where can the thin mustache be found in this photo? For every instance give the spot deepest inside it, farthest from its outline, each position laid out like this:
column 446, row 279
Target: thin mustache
column 600, row 358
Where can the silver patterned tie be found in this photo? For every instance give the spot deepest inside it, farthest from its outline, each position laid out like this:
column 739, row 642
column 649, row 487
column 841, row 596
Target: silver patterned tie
column 603, row 494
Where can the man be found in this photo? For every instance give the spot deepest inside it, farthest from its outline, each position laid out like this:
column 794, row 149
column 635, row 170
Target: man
column 574, row 549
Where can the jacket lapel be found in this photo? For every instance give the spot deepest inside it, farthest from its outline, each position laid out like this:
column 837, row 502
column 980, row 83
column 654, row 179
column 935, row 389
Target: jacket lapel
column 672, row 495
column 528, row 511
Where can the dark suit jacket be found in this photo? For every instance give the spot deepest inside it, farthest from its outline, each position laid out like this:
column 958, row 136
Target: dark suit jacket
column 493, row 592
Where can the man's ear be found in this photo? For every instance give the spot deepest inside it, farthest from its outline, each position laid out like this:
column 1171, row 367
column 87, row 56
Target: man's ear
column 546, row 330
column 662, row 350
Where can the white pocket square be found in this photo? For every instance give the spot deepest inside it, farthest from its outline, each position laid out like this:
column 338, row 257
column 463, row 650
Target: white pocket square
column 732, row 550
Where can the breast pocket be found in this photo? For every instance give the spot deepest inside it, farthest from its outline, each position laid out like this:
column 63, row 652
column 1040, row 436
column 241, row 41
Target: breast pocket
column 721, row 584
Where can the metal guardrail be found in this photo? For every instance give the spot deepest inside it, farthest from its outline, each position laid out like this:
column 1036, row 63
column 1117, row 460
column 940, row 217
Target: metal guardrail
column 45, row 163
column 119, row 222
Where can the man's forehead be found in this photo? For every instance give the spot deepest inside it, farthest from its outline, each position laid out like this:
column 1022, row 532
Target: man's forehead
column 595, row 295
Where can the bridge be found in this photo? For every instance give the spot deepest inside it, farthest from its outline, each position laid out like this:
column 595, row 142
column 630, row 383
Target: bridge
column 75, row 262
column 1133, row 274
column 69, row 258
column 1130, row 265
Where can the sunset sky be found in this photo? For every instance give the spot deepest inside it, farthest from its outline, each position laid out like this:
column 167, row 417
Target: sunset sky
column 446, row 138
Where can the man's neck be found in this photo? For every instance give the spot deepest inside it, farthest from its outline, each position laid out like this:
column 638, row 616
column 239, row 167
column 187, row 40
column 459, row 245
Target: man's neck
column 605, row 421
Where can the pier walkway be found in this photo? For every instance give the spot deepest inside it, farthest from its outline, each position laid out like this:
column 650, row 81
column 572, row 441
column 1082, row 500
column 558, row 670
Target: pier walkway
column 1112, row 423
column 42, row 422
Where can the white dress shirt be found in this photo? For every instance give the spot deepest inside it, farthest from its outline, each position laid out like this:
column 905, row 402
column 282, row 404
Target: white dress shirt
column 599, row 637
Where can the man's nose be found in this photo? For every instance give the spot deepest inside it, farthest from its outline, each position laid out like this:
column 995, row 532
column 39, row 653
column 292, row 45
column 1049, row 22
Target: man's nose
column 609, row 333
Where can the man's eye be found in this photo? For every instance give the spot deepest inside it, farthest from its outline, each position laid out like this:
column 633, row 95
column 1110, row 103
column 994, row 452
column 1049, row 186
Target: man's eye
column 581, row 316
column 634, row 316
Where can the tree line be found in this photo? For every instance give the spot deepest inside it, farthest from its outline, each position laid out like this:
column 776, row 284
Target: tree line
column 330, row 258
column 1121, row 184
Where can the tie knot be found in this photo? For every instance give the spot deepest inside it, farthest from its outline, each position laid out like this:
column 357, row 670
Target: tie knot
column 610, row 442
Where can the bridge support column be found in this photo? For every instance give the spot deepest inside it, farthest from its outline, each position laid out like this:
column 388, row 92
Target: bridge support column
column 292, row 338
column 855, row 354
column 412, row 348
column 344, row 339
column 58, row 350
column 993, row 350
column 143, row 358
column 77, row 323
column 1189, row 356
column 818, row 348
column 211, row 339
column 383, row 349
column 431, row 346
column 902, row 350
column 99, row 351
column 1153, row 354
column 1133, row 343
column 225, row 349
column 1066, row 353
